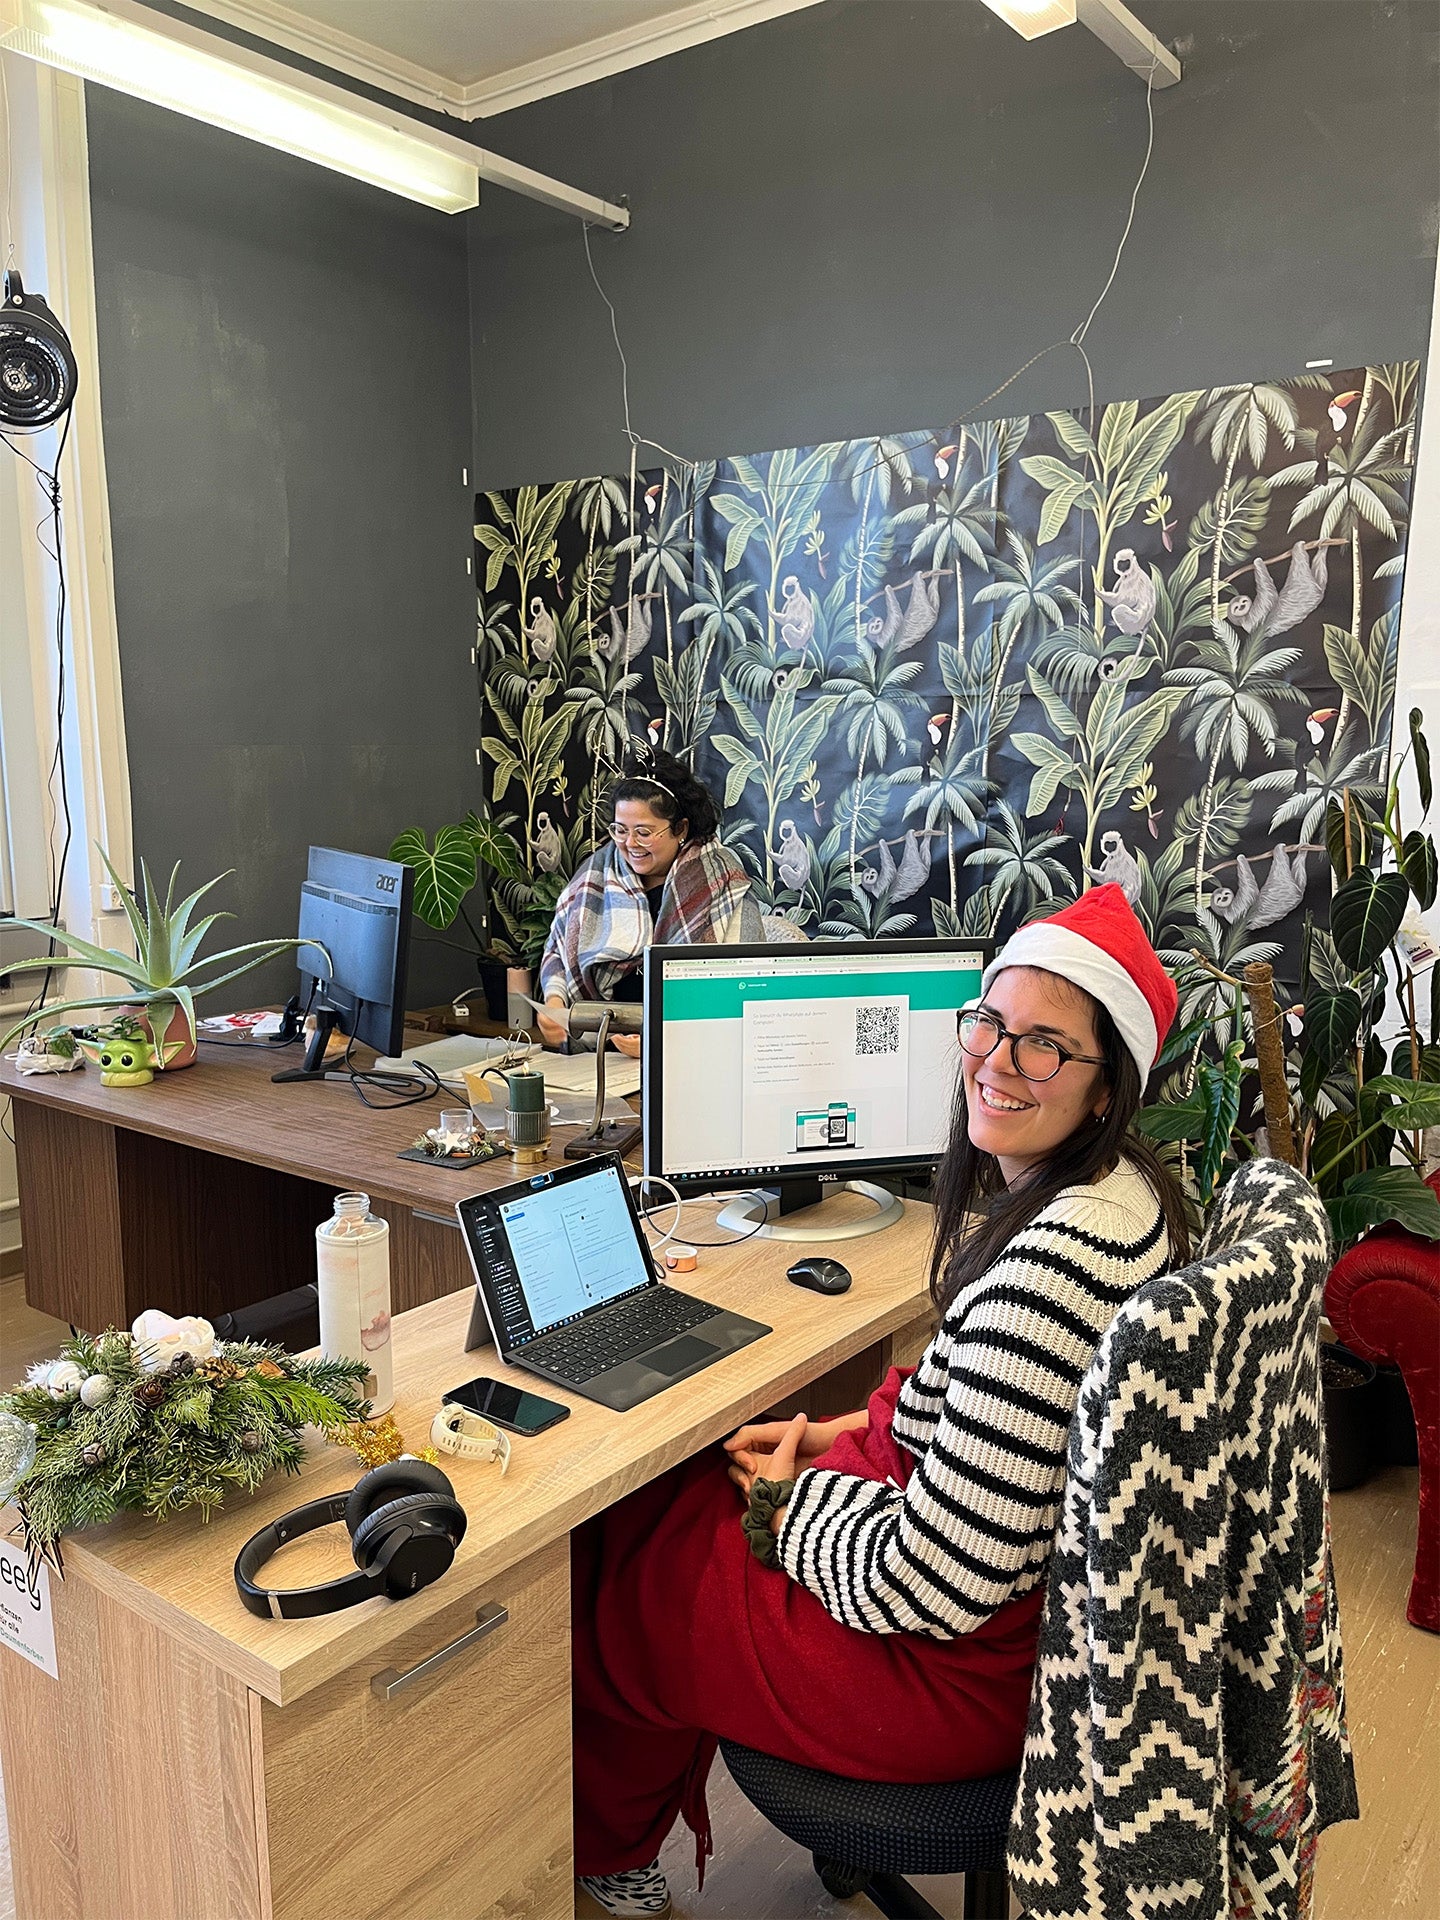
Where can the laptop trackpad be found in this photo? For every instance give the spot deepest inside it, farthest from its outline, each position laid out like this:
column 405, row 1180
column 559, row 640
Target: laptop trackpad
column 678, row 1355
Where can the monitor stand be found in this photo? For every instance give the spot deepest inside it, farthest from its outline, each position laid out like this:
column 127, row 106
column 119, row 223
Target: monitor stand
column 313, row 1067
column 770, row 1204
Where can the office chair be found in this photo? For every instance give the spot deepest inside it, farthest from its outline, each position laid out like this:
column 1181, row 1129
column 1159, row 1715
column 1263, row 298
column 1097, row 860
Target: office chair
column 866, row 1835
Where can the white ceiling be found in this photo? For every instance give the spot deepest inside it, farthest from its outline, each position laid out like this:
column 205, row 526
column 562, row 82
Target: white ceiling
column 478, row 57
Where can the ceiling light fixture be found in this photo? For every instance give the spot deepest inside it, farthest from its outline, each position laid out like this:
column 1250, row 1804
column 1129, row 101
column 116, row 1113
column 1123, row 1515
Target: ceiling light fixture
column 172, row 64
column 1031, row 18
column 1112, row 21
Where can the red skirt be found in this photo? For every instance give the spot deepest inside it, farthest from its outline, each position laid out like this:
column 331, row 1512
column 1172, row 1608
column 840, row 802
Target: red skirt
column 682, row 1637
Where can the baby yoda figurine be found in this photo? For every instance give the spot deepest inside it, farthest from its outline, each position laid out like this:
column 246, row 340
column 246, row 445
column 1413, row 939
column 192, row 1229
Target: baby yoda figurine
column 123, row 1051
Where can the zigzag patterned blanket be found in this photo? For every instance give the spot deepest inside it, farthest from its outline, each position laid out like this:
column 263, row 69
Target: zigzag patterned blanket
column 1187, row 1740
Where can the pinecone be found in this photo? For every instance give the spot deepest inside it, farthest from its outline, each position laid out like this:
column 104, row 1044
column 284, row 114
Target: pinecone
column 151, row 1391
column 93, row 1455
column 251, row 1441
column 219, row 1370
column 183, row 1363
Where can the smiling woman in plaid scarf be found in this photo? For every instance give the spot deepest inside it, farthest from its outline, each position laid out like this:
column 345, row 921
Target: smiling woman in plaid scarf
column 663, row 876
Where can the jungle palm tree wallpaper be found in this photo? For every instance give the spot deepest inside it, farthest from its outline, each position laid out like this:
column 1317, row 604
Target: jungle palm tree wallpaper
column 945, row 680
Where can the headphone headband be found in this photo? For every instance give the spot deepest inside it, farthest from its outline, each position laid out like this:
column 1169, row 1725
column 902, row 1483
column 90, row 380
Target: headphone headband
column 299, row 1603
column 404, row 1524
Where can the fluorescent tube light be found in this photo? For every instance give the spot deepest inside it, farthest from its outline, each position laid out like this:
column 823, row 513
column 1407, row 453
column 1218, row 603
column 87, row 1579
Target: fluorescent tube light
column 1031, row 18
column 191, row 72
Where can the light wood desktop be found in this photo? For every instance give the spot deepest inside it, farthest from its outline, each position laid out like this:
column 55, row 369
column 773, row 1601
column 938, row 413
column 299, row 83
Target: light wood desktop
column 196, row 1763
column 201, row 1192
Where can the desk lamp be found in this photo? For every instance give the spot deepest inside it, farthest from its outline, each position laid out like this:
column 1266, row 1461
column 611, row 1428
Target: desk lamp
column 602, row 1018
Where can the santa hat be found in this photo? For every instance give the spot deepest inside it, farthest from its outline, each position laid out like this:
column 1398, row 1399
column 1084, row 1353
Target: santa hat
column 1099, row 945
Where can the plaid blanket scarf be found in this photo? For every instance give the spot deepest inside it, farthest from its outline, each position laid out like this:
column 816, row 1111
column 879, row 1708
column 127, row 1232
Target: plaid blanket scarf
column 602, row 919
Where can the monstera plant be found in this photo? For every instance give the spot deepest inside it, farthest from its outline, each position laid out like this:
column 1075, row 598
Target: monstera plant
column 1355, row 1113
column 163, row 978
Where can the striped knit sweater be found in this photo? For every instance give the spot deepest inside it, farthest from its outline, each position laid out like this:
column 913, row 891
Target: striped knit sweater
column 986, row 1415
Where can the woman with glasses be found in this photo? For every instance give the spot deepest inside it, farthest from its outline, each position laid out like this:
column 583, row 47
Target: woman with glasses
column 875, row 1613
column 662, row 876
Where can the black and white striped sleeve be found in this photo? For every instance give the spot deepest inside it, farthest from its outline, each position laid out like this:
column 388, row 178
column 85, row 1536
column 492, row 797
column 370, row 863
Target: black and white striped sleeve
column 987, row 1416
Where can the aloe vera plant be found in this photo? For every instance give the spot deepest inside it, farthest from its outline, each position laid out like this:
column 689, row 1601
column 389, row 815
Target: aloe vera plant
column 167, row 959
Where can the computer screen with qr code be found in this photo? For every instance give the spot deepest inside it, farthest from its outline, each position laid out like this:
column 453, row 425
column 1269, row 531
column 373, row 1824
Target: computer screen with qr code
column 827, row 1058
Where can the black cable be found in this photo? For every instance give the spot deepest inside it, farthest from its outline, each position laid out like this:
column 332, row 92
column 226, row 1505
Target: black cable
column 411, row 1089
column 50, row 485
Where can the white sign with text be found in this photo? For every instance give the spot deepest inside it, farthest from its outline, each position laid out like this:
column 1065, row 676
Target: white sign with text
column 27, row 1626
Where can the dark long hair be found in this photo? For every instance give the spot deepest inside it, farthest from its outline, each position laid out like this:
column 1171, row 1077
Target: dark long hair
column 967, row 1178
column 649, row 776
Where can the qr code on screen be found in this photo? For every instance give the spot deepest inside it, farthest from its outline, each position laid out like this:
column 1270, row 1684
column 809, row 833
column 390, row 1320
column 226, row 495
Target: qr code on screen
column 877, row 1030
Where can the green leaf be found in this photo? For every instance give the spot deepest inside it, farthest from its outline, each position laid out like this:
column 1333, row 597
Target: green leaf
column 1352, row 672
column 1051, row 473
column 1332, row 1021
column 1361, row 834
column 1065, row 723
column 1219, row 1090
column 1365, row 915
column 1418, row 864
column 1417, row 1102
column 1116, row 425
column 1052, row 764
column 1381, row 1194
column 1057, row 509
column 1421, row 749
column 1333, row 1135
column 444, row 874
column 1179, row 1120
column 1071, row 435
column 498, row 850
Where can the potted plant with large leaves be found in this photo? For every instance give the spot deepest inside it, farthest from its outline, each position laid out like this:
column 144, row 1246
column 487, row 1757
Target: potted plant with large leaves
column 164, row 977
column 522, row 904
column 1354, row 1115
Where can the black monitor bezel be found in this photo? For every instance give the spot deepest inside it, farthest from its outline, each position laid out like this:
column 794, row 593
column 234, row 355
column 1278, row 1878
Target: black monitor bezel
column 838, row 1167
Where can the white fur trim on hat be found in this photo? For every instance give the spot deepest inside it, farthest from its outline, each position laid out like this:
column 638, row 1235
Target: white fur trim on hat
column 1080, row 961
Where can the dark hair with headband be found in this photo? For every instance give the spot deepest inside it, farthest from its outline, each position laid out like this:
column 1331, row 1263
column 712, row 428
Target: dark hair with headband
column 670, row 790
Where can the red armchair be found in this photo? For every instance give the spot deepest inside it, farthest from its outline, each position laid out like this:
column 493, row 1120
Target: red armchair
column 1383, row 1299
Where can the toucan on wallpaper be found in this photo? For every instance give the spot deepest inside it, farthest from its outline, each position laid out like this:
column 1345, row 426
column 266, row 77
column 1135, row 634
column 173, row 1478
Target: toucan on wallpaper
column 945, row 680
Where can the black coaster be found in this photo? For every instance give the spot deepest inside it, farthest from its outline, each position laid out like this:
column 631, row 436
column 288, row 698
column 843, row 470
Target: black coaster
column 449, row 1160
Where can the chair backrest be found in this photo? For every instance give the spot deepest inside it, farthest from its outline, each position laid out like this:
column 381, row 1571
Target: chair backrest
column 1187, row 1724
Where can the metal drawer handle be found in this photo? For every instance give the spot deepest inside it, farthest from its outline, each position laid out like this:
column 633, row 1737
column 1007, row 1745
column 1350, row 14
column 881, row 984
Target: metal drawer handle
column 487, row 1618
column 435, row 1219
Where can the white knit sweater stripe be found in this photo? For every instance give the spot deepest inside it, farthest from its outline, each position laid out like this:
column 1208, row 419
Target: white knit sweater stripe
column 986, row 1415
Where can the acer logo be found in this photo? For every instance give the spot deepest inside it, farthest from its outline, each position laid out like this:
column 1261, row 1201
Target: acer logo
column 385, row 883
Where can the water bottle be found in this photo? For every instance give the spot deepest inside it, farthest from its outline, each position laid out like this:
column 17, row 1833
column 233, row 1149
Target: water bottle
column 352, row 1258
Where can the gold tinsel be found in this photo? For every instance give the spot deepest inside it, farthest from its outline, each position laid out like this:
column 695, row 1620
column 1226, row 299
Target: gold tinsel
column 377, row 1442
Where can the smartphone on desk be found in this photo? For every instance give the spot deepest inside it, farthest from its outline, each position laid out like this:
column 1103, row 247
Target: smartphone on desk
column 509, row 1407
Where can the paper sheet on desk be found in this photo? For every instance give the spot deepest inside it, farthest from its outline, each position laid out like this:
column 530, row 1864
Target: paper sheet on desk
column 575, row 1073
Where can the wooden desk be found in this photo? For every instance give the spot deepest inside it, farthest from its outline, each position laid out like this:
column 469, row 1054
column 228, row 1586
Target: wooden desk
column 196, row 1763
column 202, row 1191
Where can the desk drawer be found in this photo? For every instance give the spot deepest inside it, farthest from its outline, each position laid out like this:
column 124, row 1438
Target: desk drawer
column 451, row 1799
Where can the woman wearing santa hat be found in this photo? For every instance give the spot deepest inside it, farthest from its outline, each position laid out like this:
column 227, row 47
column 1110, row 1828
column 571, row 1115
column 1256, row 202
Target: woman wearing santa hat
column 874, row 1610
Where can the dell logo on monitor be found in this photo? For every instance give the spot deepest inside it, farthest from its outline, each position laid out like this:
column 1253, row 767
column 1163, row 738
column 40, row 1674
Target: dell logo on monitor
column 385, row 883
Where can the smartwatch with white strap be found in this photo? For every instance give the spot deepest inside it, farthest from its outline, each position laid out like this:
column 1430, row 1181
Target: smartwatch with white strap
column 455, row 1429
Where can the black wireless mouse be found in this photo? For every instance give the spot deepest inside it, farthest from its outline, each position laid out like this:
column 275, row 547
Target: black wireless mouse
column 820, row 1275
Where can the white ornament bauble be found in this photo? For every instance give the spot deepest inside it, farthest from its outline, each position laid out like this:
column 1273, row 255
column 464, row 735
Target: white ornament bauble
column 96, row 1389
column 63, row 1380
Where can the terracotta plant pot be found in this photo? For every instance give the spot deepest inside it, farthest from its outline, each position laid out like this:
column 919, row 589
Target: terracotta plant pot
column 169, row 1034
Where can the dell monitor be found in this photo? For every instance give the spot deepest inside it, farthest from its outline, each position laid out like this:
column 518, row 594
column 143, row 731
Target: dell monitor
column 784, row 1067
column 356, row 910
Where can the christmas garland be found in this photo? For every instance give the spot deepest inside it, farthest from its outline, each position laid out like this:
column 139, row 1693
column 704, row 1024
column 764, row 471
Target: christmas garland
column 159, row 1419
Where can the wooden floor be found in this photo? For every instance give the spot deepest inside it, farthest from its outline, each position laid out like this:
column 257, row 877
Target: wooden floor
column 1386, row 1864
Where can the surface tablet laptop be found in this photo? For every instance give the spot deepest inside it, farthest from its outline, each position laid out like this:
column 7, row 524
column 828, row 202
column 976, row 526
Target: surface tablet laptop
column 569, row 1288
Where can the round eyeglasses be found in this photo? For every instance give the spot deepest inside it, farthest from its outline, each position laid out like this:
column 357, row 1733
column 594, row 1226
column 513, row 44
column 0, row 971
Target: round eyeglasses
column 1032, row 1056
column 637, row 836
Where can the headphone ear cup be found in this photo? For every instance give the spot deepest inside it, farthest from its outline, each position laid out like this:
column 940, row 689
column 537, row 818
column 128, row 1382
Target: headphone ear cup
column 383, row 1484
column 444, row 1513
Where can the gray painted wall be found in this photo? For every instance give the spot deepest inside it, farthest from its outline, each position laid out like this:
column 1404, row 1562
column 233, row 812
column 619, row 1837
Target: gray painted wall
column 865, row 216
column 285, row 363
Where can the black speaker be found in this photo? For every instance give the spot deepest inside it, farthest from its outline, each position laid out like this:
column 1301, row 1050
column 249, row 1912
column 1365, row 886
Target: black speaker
column 38, row 376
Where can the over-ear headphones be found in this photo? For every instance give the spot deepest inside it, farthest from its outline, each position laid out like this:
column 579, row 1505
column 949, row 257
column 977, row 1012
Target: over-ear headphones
column 38, row 375
column 404, row 1522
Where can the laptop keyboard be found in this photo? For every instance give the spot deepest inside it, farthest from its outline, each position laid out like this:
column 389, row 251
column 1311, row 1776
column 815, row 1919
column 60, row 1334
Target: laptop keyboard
column 593, row 1347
